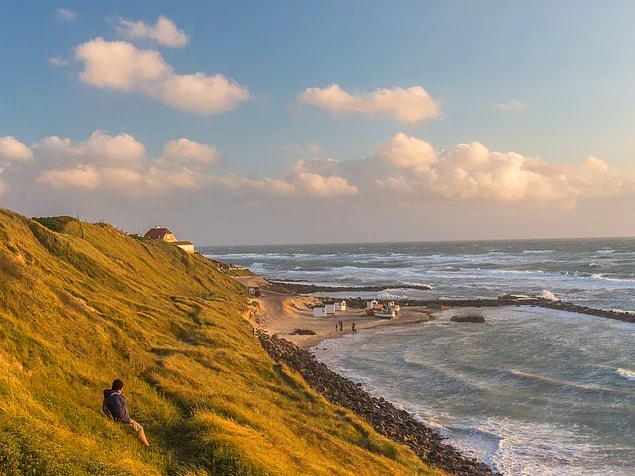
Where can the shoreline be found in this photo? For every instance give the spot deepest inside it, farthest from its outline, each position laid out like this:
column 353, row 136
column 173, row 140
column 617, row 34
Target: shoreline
column 291, row 317
column 383, row 416
column 281, row 314
column 288, row 314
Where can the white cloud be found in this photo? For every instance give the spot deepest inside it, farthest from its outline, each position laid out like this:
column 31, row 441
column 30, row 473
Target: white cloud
column 119, row 163
column 103, row 161
column 405, row 173
column 12, row 149
column 82, row 176
column 404, row 151
column 200, row 93
column 189, row 151
column 121, row 66
column 246, row 185
column 511, row 105
column 164, row 31
column 63, row 14
column 411, row 105
column 316, row 185
column 122, row 150
column 57, row 61
column 473, row 172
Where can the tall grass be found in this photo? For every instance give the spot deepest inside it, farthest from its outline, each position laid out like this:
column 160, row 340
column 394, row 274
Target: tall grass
column 81, row 304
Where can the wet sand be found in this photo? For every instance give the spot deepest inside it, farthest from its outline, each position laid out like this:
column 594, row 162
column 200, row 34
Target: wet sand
column 284, row 314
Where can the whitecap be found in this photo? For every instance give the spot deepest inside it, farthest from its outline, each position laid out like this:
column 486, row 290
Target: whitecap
column 625, row 373
column 605, row 251
column 546, row 294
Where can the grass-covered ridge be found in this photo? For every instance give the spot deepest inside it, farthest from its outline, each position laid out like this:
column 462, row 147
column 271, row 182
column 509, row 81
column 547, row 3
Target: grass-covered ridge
column 81, row 304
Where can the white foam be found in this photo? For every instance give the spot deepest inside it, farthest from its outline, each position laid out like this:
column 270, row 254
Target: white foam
column 548, row 295
column 627, row 374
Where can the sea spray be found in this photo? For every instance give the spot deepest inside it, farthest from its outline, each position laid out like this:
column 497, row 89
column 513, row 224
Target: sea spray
column 548, row 295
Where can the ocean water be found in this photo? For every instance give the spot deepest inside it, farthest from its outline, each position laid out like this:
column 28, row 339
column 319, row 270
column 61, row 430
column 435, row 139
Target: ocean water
column 532, row 391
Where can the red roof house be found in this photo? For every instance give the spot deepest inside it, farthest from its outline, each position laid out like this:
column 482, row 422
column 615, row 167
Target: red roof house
column 160, row 233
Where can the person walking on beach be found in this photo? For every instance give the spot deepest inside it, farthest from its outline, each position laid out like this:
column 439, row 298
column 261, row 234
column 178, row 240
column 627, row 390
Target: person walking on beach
column 114, row 406
column 353, row 327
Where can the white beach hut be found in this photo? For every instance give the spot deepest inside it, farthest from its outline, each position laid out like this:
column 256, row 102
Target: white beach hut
column 372, row 304
column 319, row 312
column 329, row 308
column 340, row 306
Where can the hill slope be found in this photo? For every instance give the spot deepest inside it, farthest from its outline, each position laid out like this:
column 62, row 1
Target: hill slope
column 81, row 304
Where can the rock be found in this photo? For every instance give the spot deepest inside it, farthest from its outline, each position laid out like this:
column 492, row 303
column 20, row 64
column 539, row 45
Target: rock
column 468, row 318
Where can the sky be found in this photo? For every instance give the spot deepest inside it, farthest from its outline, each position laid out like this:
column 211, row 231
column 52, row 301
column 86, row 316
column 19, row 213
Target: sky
column 251, row 122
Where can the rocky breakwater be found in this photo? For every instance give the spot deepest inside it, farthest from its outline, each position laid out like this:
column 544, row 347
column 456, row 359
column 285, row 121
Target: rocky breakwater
column 398, row 425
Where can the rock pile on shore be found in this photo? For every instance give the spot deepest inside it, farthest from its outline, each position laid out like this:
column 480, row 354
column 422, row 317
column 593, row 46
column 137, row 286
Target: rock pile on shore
column 395, row 424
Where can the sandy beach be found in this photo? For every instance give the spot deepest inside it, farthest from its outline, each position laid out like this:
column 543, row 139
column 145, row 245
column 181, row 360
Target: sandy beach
column 284, row 314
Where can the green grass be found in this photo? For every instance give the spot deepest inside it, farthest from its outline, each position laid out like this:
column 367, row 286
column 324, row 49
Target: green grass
column 81, row 304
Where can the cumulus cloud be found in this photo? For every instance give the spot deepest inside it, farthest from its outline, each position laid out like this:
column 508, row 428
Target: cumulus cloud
column 121, row 66
column 473, row 172
column 122, row 150
column 82, row 176
column 186, row 150
column 200, row 93
column 12, row 149
column 116, row 163
column 403, row 151
column 63, row 14
column 244, row 185
column 317, row 185
column 404, row 169
column 410, row 105
column 119, row 164
column 511, row 105
column 164, row 31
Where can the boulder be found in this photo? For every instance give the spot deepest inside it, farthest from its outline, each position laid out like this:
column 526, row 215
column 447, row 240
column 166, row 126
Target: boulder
column 468, row 318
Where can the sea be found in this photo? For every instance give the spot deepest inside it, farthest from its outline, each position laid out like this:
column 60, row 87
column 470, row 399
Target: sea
column 532, row 391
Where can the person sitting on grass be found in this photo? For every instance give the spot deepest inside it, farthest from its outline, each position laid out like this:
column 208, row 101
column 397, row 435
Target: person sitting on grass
column 114, row 406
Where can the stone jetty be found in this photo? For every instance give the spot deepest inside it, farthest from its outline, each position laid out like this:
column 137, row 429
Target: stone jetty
column 398, row 425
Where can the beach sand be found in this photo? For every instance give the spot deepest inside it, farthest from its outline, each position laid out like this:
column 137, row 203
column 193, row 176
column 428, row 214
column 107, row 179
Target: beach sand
column 283, row 314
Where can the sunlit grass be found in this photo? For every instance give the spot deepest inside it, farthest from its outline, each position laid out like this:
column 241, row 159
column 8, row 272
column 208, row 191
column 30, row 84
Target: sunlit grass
column 81, row 304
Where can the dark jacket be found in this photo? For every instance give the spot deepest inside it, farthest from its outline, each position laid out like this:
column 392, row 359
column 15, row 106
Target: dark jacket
column 114, row 406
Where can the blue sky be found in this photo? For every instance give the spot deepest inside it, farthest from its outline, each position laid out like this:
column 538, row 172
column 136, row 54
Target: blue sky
column 322, row 121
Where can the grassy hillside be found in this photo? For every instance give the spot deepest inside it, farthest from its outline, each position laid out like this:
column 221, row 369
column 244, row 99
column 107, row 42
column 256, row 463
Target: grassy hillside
column 81, row 304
